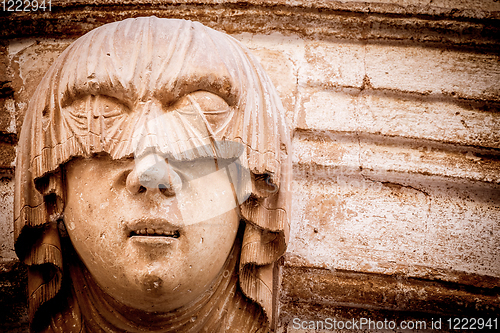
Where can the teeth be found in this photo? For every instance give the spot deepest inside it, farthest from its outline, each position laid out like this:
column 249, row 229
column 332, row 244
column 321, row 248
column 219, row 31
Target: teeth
column 155, row 232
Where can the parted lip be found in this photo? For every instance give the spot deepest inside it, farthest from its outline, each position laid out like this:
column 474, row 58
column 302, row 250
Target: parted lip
column 152, row 227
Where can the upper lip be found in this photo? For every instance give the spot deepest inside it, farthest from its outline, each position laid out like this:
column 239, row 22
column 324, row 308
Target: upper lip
column 152, row 227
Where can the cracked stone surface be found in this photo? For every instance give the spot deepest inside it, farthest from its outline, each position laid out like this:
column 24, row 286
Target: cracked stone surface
column 396, row 142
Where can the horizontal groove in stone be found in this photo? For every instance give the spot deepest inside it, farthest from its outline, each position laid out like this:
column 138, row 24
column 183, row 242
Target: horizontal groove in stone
column 467, row 103
column 483, row 284
column 377, row 291
column 383, row 155
column 353, row 181
column 357, row 22
column 453, row 8
column 7, row 174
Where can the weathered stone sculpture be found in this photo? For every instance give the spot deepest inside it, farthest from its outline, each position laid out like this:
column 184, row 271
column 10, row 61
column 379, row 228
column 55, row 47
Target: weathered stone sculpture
column 133, row 209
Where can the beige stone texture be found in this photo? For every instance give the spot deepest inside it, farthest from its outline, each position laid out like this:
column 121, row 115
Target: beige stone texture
column 332, row 64
column 30, row 59
column 8, row 116
column 394, row 109
column 6, row 214
column 281, row 56
column 389, row 113
column 408, row 69
column 395, row 170
column 356, row 223
column 434, row 71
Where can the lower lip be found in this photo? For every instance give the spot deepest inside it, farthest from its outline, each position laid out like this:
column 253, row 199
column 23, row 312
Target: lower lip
column 153, row 240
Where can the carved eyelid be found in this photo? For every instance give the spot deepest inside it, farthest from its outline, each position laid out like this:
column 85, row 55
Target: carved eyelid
column 123, row 108
column 209, row 112
column 217, row 111
column 191, row 108
column 79, row 107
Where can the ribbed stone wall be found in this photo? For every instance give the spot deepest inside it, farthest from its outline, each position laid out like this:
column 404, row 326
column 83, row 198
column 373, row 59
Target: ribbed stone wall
column 396, row 182
column 395, row 112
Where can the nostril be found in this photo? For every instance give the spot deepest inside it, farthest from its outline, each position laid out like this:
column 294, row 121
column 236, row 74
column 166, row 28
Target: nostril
column 133, row 184
column 166, row 189
column 175, row 181
column 121, row 181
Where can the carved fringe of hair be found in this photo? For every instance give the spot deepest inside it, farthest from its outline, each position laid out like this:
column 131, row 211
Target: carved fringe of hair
column 46, row 253
column 256, row 284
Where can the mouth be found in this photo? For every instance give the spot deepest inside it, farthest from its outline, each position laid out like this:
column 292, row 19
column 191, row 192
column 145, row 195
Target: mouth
column 150, row 232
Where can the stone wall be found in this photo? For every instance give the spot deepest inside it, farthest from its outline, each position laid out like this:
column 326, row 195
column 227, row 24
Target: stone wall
column 395, row 115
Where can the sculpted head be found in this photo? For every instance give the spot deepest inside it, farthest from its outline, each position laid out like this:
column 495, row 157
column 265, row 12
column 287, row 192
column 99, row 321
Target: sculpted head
column 157, row 149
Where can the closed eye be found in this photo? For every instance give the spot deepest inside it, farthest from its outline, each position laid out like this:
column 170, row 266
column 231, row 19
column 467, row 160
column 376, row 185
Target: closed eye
column 216, row 112
column 111, row 107
column 214, row 108
column 97, row 106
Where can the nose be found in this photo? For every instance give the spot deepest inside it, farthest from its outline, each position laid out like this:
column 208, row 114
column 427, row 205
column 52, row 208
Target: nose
column 153, row 174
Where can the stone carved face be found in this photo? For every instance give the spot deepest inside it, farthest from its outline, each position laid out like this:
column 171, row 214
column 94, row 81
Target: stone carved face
column 155, row 231
column 135, row 243
column 146, row 137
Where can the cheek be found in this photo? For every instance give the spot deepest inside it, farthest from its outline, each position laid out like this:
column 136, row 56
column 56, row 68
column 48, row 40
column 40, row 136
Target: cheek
column 212, row 238
column 87, row 206
column 96, row 243
column 91, row 224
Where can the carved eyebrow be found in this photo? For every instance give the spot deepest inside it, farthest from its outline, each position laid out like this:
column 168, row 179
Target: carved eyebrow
column 80, row 90
column 220, row 85
column 98, row 97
